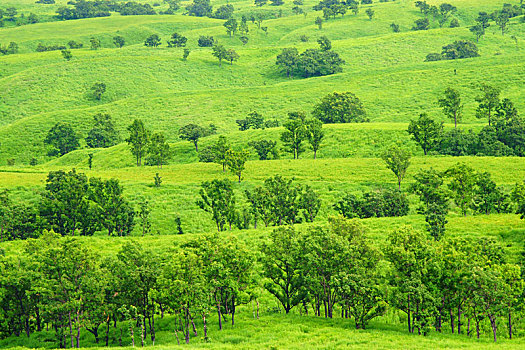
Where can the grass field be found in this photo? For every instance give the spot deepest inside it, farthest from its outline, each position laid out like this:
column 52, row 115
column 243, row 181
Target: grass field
column 385, row 70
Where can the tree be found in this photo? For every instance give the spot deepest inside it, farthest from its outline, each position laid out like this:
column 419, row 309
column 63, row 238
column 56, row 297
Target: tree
column 220, row 52
column 231, row 55
column 158, row 150
column 265, row 149
column 338, row 107
column 426, row 132
column 231, row 26
column 397, row 159
column 235, row 161
column 185, row 54
column 319, row 22
column 451, row 104
column 518, row 196
column 224, row 12
column 502, row 19
column 199, row 8
column 98, row 90
column 282, row 267
column 478, row 31
column 205, row 41
column 143, row 216
column 177, row 40
column 62, row 138
column 324, row 43
column 445, row 10
column 315, row 134
column 138, row 140
column 395, row 27
column 370, row 13
column 119, row 41
column 95, row 43
column 460, row 49
column 219, row 151
column 421, row 24
column 152, row 41
column 217, row 198
column 488, row 101
column 462, row 185
column 287, row 60
column 192, row 133
column 294, row 134
column 67, row 55
column 260, row 2
column 103, row 133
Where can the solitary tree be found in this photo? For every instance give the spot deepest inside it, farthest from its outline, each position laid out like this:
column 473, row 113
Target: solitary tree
column 63, row 139
column 235, row 161
column 319, row 22
column 152, row 41
column 488, row 101
column 294, row 134
column 231, row 26
column 220, row 52
column 231, row 55
column 138, row 140
column 397, row 159
column 425, row 131
column 370, row 13
column 119, row 41
column 192, row 133
column 315, row 134
column 177, row 40
column 95, row 43
column 98, row 90
column 451, row 104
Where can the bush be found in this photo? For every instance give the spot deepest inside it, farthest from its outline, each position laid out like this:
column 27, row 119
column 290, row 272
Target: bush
column 460, row 49
column 206, row 41
column 379, row 203
column 340, row 108
column 454, row 23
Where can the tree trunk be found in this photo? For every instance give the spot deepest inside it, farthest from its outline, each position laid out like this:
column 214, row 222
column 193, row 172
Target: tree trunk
column 451, row 320
column 315, row 153
column 493, row 325
column 219, row 313
column 71, row 330
column 510, row 325
column 408, row 314
column 107, row 332
column 233, row 311
column 187, row 326
column 459, row 319
column 205, row 327
column 193, row 325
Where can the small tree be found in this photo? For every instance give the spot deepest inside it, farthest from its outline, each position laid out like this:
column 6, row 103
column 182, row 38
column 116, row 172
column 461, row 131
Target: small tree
column 231, row 26
column 95, row 43
column 220, row 52
column 315, row 134
column 425, row 131
column 397, row 159
column 395, row 27
column 192, row 133
column 185, row 54
column 67, row 55
column 217, row 198
column 158, row 150
column 488, row 101
column 98, row 90
column 231, row 55
column 152, row 41
column 143, row 215
column 370, row 13
column 138, row 140
column 462, row 185
column 157, row 180
column 294, row 133
column 235, row 161
column 63, row 139
column 324, row 43
column 319, row 22
column 119, row 41
column 177, row 40
column 451, row 104
column 244, row 40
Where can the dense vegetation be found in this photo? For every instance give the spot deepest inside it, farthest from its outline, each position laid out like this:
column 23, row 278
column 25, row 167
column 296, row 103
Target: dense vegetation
column 262, row 174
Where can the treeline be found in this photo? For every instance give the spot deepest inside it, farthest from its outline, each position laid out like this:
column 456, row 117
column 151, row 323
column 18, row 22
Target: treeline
column 464, row 285
column 70, row 204
column 503, row 136
column 99, row 8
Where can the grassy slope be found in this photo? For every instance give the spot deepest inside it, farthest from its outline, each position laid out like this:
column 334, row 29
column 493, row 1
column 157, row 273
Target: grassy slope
column 384, row 69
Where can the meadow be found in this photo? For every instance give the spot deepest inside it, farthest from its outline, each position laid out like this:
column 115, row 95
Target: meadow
column 385, row 70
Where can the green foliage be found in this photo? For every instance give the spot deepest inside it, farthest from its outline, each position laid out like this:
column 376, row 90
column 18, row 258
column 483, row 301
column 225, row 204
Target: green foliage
column 152, row 41
column 138, row 140
column 220, row 52
column 235, row 161
column 103, row 134
column 199, row 8
column 62, row 138
column 265, row 149
column 451, row 104
column 379, row 203
column 192, row 133
column 217, row 198
column 462, row 185
column 397, row 159
column 67, row 55
column 98, row 90
column 119, row 41
column 342, row 107
column 95, row 43
column 158, row 152
column 426, row 132
column 294, row 134
column 177, row 40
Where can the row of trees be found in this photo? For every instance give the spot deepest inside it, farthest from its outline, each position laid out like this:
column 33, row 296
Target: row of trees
column 465, row 285
column 277, row 202
column 70, row 204
column 91, row 9
column 9, row 16
column 502, row 136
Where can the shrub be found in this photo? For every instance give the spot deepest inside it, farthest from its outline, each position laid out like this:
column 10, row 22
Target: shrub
column 206, row 41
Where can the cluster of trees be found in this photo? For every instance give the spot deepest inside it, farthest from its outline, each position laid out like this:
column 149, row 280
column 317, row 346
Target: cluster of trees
column 501, row 19
column 332, row 8
column 277, row 202
column 62, row 138
column 256, row 120
column 10, row 49
column 70, row 204
column 457, row 50
column 441, row 14
column 145, row 144
column 311, row 62
column 8, row 15
column 376, row 203
column 99, row 8
column 342, row 107
column 465, row 285
column 503, row 136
